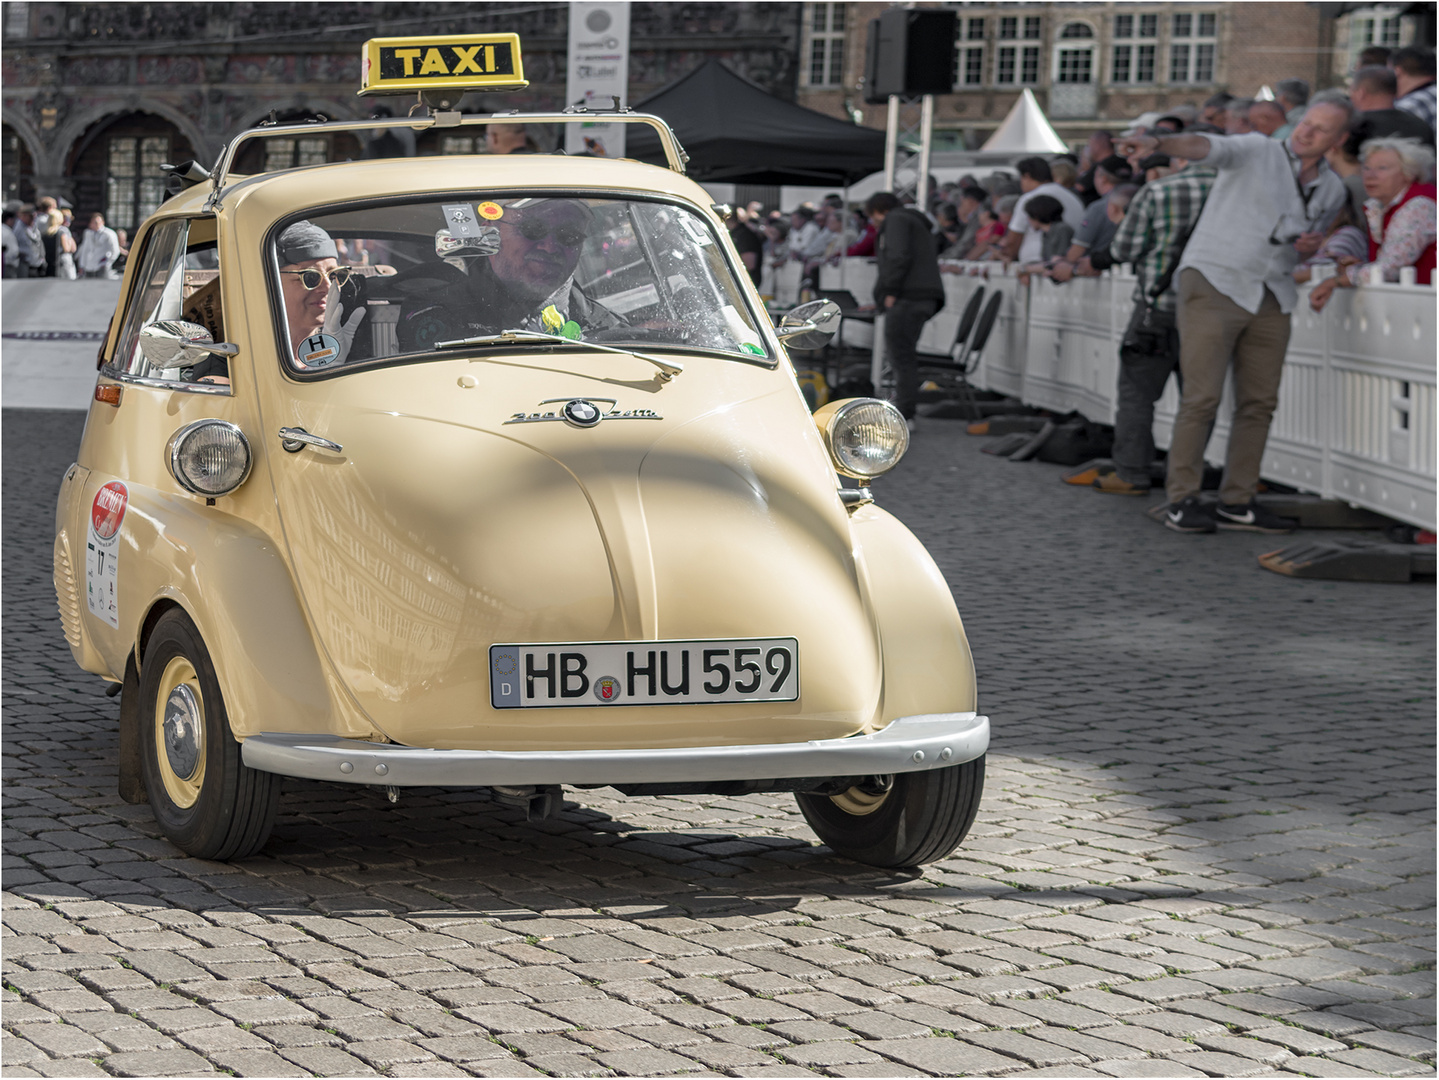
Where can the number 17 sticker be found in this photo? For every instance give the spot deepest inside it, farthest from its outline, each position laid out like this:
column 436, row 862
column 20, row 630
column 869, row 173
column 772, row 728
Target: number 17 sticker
column 102, row 552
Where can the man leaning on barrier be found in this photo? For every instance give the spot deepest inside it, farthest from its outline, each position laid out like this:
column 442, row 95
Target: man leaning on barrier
column 1270, row 205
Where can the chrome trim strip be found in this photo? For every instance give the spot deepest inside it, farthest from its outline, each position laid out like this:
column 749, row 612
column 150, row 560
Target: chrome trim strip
column 218, row 389
column 909, row 744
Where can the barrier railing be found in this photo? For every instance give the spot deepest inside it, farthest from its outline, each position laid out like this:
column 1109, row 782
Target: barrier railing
column 1357, row 406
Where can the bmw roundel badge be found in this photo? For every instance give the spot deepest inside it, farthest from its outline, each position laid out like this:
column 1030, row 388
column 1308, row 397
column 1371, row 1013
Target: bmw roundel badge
column 581, row 413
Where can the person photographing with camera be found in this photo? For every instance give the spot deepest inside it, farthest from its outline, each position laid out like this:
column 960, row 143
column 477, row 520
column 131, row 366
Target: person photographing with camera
column 1152, row 235
column 1270, row 205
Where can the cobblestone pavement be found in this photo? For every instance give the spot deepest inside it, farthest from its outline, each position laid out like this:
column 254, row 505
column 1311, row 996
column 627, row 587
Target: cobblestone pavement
column 1205, row 848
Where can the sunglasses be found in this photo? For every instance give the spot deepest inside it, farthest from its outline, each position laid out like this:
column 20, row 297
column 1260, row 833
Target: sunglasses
column 535, row 230
column 311, row 278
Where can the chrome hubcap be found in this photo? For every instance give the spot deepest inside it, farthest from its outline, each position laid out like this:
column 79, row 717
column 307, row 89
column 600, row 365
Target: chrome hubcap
column 184, row 733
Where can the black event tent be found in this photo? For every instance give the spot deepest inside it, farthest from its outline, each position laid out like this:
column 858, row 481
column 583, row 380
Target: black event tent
column 735, row 132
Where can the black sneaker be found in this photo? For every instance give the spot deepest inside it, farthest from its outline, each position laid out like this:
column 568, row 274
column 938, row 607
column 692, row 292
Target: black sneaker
column 1251, row 517
column 1188, row 516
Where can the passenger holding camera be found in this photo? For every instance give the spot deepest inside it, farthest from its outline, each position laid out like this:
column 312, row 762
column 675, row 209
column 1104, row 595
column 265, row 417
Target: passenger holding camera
column 1151, row 235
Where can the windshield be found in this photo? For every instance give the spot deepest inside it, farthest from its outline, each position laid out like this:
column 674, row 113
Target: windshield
column 361, row 286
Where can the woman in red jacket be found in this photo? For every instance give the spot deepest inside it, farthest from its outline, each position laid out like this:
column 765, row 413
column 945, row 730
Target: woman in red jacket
column 1401, row 214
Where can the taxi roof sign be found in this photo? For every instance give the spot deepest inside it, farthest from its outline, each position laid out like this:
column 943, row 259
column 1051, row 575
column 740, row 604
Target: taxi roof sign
column 403, row 65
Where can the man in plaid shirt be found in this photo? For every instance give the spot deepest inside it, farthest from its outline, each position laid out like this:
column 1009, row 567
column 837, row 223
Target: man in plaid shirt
column 1151, row 236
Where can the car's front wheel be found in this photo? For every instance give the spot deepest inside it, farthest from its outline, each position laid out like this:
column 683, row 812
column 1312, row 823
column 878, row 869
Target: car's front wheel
column 910, row 819
column 206, row 800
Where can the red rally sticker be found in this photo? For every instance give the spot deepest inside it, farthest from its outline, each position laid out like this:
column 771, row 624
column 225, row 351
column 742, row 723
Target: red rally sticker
column 108, row 509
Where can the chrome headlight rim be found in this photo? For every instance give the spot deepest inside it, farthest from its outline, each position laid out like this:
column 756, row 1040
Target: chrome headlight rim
column 177, row 442
column 845, row 410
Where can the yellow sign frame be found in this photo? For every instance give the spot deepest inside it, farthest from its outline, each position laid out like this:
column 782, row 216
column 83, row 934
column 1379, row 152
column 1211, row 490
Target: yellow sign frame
column 404, row 65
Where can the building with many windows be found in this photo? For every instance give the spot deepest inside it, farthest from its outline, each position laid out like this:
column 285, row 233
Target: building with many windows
column 1098, row 65
column 95, row 97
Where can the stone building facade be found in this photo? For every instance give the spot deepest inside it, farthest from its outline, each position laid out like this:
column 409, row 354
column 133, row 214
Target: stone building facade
column 96, row 96
column 1093, row 65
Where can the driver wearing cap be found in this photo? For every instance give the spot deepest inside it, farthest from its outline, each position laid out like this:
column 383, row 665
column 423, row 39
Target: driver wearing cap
column 528, row 284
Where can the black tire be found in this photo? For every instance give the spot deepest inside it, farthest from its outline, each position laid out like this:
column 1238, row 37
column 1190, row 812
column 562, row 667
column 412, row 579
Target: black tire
column 207, row 801
column 920, row 819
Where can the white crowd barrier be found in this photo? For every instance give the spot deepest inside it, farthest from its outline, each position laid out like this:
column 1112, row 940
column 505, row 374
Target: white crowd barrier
column 1356, row 416
column 781, row 285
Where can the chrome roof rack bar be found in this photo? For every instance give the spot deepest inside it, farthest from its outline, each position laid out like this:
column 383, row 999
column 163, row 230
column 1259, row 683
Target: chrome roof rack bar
column 675, row 156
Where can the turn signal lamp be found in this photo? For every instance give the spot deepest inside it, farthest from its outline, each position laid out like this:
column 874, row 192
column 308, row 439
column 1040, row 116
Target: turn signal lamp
column 209, row 457
column 866, row 437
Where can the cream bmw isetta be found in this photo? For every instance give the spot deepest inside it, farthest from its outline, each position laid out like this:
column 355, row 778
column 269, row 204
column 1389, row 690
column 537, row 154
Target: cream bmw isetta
column 492, row 471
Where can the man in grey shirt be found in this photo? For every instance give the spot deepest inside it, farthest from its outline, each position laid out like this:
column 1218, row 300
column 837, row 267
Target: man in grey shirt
column 1271, row 204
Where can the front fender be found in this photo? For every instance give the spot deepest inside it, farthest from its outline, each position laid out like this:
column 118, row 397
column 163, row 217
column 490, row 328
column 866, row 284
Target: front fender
column 927, row 663
column 233, row 582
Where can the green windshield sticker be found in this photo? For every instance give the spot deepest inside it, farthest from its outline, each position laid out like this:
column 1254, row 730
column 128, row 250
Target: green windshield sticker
column 751, row 347
column 571, row 330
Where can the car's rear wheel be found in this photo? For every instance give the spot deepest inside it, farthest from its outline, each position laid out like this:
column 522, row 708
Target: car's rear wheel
column 917, row 818
column 206, row 800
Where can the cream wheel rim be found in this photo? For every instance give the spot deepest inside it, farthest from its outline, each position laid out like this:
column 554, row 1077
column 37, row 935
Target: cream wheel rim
column 180, row 732
column 858, row 802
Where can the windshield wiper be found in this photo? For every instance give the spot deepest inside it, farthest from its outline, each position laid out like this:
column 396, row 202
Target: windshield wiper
column 667, row 370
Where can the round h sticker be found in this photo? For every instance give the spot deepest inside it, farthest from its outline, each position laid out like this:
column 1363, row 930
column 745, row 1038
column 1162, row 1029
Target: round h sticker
column 319, row 350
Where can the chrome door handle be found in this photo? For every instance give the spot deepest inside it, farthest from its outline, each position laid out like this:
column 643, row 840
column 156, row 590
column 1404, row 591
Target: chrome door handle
column 293, row 439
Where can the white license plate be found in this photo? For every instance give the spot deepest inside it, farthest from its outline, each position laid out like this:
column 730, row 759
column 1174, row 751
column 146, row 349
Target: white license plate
column 643, row 673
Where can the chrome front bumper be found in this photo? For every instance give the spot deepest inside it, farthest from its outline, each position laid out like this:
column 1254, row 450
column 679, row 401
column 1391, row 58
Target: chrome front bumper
column 909, row 744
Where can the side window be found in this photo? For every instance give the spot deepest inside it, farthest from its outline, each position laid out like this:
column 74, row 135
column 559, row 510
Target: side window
column 178, row 278
column 158, row 294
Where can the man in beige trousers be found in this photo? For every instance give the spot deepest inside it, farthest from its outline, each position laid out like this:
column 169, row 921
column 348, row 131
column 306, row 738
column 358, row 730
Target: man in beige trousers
column 1271, row 204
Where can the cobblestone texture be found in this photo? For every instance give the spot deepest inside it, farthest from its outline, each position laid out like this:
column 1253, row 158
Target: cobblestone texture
column 1205, row 848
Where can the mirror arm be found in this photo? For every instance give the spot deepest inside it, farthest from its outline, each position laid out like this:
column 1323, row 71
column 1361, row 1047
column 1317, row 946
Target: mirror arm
column 784, row 333
column 220, row 348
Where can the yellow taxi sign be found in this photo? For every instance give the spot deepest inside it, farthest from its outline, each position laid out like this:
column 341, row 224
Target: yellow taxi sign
column 460, row 62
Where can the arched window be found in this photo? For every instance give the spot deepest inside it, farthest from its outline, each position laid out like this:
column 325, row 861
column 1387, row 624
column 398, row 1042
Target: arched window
column 1073, row 92
column 115, row 167
column 1074, row 54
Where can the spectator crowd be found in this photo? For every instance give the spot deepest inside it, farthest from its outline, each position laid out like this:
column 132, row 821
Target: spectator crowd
column 1222, row 209
column 43, row 239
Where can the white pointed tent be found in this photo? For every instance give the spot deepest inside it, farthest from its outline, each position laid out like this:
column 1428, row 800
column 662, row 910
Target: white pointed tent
column 1025, row 130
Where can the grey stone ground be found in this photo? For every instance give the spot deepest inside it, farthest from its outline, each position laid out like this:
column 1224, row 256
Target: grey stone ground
column 1205, row 848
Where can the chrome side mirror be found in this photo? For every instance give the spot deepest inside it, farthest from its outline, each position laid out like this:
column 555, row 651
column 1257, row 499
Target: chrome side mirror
column 811, row 325
column 449, row 246
column 174, row 343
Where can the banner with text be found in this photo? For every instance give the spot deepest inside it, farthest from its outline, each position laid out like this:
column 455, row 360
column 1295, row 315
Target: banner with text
column 599, row 72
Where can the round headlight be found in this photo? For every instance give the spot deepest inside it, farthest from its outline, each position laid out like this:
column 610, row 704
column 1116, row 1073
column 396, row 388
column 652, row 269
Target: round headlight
column 209, row 457
column 866, row 436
